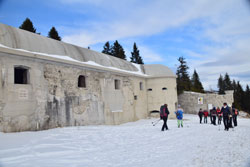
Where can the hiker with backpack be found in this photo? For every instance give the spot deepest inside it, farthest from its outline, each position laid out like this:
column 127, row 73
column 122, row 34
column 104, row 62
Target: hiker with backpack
column 179, row 116
column 205, row 113
column 226, row 112
column 235, row 113
column 213, row 114
column 200, row 114
column 164, row 112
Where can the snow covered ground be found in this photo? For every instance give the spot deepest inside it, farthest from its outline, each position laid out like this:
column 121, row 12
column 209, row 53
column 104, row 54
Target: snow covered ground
column 130, row 145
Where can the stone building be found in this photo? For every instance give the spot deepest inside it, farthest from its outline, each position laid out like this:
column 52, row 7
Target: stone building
column 46, row 83
column 191, row 102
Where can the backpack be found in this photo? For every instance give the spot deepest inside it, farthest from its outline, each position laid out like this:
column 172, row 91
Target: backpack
column 163, row 111
column 236, row 112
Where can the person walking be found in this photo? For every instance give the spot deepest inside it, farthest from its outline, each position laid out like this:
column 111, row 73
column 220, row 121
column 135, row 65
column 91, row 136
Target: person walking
column 219, row 114
column 200, row 114
column 235, row 113
column 179, row 116
column 213, row 112
column 205, row 113
column 225, row 111
column 164, row 112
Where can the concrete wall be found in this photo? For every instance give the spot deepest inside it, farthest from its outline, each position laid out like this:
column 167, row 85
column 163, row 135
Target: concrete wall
column 158, row 96
column 189, row 100
column 53, row 99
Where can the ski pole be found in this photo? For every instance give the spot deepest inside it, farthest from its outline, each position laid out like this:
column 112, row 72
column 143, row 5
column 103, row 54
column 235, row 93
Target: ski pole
column 156, row 122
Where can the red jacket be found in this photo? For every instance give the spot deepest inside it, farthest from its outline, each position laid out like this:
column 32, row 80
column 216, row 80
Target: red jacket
column 219, row 113
column 205, row 112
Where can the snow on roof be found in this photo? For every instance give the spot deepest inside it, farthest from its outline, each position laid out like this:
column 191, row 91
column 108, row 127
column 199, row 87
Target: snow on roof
column 24, row 41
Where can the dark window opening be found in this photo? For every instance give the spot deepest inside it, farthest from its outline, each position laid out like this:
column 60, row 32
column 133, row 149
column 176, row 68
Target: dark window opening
column 149, row 89
column 141, row 86
column 135, row 97
column 117, row 84
column 81, row 81
column 164, row 88
column 21, row 75
column 154, row 111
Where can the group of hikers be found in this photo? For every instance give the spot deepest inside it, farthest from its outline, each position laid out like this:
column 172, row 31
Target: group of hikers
column 228, row 113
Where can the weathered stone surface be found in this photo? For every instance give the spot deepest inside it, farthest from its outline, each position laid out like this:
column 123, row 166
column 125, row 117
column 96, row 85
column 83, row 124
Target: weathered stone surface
column 189, row 101
column 53, row 99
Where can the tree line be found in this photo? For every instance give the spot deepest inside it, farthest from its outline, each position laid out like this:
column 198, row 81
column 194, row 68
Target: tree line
column 241, row 96
column 115, row 50
column 185, row 83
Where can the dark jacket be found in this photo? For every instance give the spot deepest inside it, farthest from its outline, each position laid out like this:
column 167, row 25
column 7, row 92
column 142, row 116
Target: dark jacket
column 164, row 112
column 213, row 112
column 200, row 113
column 225, row 111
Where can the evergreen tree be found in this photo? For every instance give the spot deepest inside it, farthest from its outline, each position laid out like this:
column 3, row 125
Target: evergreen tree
column 118, row 51
column 183, row 79
column 221, row 85
column 246, row 100
column 238, row 96
column 54, row 34
column 227, row 82
column 135, row 55
column 28, row 26
column 107, row 48
column 196, row 83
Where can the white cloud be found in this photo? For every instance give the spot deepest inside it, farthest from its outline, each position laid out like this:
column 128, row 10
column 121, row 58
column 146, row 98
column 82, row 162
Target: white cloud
column 225, row 24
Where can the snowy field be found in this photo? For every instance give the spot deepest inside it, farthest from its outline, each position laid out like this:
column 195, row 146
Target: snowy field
column 136, row 144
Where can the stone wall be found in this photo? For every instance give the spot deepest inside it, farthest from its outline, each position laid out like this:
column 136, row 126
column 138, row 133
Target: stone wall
column 189, row 101
column 52, row 97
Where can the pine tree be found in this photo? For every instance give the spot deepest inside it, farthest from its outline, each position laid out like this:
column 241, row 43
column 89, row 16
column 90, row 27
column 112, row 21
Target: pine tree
column 135, row 55
column 28, row 26
column 118, row 51
column 246, row 100
column 221, row 85
column 107, row 48
column 227, row 82
column 196, row 83
column 54, row 34
column 183, row 79
column 239, row 96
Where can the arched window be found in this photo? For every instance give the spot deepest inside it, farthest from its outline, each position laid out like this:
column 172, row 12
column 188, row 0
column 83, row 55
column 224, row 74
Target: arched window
column 21, row 75
column 164, row 88
column 150, row 89
column 81, row 81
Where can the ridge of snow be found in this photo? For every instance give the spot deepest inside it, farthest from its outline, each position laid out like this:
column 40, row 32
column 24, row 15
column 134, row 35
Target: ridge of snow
column 92, row 63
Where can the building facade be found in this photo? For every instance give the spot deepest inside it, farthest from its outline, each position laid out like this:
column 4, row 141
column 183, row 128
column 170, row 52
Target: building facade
column 46, row 83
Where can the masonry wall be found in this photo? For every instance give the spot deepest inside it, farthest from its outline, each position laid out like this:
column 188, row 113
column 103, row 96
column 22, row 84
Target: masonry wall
column 161, row 91
column 52, row 97
column 189, row 101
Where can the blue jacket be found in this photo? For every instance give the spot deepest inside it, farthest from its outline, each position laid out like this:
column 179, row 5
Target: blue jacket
column 179, row 114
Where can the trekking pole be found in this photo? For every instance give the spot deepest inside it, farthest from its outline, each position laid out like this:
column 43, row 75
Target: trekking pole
column 156, row 122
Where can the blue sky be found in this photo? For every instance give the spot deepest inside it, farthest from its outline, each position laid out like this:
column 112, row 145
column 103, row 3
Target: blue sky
column 212, row 35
